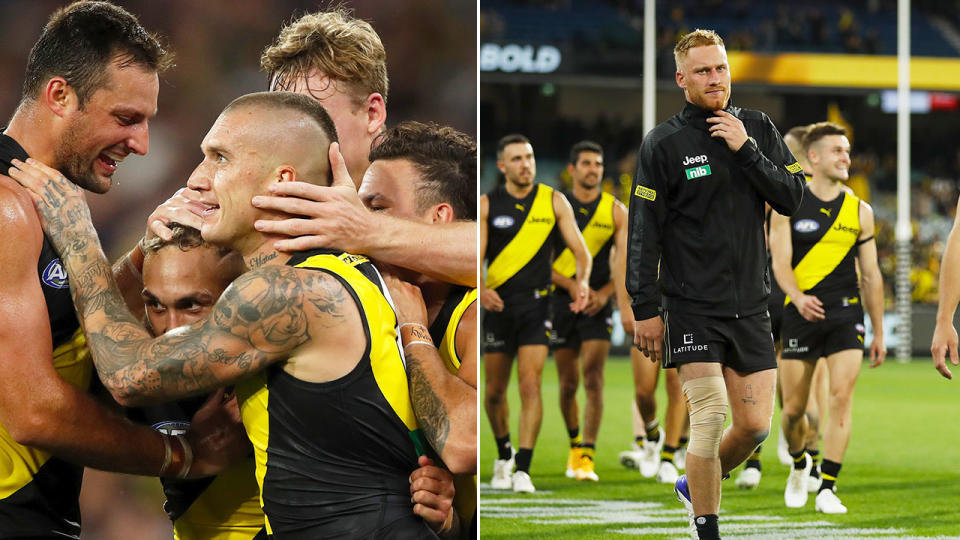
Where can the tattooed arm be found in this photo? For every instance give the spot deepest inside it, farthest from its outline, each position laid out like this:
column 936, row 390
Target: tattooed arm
column 444, row 404
column 259, row 319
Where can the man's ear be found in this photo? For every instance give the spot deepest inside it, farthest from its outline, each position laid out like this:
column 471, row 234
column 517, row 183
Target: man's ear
column 681, row 80
column 442, row 213
column 59, row 97
column 284, row 173
column 376, row 108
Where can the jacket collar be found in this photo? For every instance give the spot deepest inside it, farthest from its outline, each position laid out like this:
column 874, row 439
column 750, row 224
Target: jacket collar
column 697, row 117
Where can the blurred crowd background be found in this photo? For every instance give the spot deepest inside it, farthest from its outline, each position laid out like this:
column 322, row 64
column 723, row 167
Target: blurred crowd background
column 431, row 58
column 594, row 92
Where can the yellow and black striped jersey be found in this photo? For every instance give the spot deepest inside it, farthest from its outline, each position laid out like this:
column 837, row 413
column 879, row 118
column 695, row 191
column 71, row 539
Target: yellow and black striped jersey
column 333, row 458
column 519, row 243
column 595, row 221
column 39, row 493
column 221, row 507
column 443, row 330
column 824, row 235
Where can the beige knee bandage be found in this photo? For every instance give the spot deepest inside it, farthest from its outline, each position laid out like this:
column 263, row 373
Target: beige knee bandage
column 708, row 410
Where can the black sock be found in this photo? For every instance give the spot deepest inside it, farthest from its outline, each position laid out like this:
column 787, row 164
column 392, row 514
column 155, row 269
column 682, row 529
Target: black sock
column 829, row 470
column 814, row 456
column 799, row 461
column 653, row 431
column 574, row 435
column 524, row 456
column 754, row 460
column 666, row 454
column 503, row 447
column 707, row 527
column 587, row 450
column 639, row 440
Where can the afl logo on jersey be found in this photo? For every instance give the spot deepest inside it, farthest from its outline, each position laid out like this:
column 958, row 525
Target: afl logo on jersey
column 503, row 222
column 806, row 226
column 172, row 427
column 55, row 276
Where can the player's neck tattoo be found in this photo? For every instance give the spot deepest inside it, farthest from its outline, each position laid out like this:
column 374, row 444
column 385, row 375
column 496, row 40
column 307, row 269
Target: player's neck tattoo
column 261, row 259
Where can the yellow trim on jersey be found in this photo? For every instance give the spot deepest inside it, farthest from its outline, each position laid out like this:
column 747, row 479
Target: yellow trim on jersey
column 448, row 345
column 19, row 463
column 254, row 398
column 833, row 246
column 595, row 234
column 530, row 237
column 228, row 509
column 386, row 358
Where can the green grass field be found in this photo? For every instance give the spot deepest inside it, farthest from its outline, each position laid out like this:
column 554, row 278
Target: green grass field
column 900, row 477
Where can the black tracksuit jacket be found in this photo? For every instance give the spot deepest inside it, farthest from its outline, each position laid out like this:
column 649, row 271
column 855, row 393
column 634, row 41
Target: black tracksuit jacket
column 696, row 216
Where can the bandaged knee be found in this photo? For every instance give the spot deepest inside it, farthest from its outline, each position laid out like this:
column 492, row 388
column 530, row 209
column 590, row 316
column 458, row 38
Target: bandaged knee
column 707, row 397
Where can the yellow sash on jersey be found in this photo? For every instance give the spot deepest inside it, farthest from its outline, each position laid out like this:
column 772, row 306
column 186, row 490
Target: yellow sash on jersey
column 833, row 246
column 596, row 234
column 533, row 233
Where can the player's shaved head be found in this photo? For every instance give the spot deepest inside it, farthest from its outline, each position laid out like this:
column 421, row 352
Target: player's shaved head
column 291, row 129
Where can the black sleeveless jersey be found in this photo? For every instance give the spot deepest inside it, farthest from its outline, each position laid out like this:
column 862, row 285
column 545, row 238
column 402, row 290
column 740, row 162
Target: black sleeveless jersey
column 595, row 221
column 333, row 458
column 38, row 492
column 824, row 236
column 519, row 243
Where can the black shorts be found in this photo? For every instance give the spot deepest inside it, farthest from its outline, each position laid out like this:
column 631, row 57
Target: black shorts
column 775, row 308
column 745, row 344
column 517, row 325
column 805, row 340
column 571, row 329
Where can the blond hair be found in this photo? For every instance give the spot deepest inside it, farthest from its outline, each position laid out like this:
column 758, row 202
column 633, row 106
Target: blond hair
column 340, row 46
column 697, row 38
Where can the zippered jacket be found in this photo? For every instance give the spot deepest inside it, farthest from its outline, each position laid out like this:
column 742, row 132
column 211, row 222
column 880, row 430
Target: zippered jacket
column 695, row 235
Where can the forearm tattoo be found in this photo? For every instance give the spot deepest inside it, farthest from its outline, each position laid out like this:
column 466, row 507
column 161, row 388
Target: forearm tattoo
column 261, row 318
column 429, row 409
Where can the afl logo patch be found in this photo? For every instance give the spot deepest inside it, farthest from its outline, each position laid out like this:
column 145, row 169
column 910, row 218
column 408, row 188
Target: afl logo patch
column 171, row 427
column 806, row 226
column 55, row 276
column 503, row 222
column 860, row 328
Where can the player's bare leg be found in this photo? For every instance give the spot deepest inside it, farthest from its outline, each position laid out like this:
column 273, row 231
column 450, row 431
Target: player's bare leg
column 675, row 425
column 796, row 377
column 594, row 353
column 844, row 368
column 568, row 377
column 646, row 455
column 496, row 367
column 751, row 410
column 530, row 360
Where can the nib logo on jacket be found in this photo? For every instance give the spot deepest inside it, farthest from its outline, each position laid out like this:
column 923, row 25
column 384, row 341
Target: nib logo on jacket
column 696, row 172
